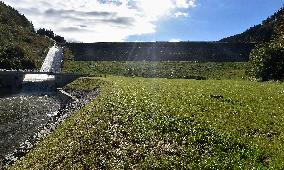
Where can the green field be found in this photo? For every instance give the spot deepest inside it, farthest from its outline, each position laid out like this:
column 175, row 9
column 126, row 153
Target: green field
column 156, row 123
column 185, row 70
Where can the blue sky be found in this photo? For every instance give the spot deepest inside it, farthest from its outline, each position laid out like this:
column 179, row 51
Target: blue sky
column 145, row 20
column 212, row 20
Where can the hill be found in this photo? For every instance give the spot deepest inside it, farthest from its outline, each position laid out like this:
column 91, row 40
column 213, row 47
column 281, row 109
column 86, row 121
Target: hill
column 263, row 32
column 20, row 46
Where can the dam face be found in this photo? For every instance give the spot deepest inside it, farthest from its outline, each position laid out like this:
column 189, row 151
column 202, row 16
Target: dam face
column 162, row 51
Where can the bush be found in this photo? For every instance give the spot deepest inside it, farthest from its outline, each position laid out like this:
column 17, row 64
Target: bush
column 12, row 56
column 67, row 54
column 267, row 61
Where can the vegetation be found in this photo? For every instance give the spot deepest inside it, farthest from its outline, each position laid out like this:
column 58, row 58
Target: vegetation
column 267, row 59
column 260, row 33
column 67, row 55
column 13, row 57
column 154, row 118
column 186, row 70
column 50, row 34
column 20, row 46
column 144, row 123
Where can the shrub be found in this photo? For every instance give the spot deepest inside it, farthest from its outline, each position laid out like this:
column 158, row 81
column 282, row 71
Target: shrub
column 12, row 56
column 267, row 61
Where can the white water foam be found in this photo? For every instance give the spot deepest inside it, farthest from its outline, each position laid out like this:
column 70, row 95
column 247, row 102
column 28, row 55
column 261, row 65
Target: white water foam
column 52, row 64
column 38, row 77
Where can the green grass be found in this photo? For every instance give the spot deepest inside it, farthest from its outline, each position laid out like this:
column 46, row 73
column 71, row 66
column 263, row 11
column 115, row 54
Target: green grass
column 171, row 69
column 141, row 123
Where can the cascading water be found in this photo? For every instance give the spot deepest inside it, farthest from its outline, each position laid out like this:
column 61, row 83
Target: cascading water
column 51, row 64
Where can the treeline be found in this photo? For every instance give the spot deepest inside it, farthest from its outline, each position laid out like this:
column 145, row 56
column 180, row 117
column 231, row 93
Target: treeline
column 161, row 51
column 11, row 17
column 51, row 34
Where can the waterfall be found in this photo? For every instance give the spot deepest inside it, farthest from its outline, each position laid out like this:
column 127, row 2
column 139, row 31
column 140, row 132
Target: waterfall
column 52, row 63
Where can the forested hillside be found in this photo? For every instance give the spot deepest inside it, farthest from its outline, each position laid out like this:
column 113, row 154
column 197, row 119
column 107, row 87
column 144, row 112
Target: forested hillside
column 20, row 46
column 263, row 32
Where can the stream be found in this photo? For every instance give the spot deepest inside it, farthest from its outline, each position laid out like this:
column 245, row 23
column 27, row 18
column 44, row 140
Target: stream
column 21, row 117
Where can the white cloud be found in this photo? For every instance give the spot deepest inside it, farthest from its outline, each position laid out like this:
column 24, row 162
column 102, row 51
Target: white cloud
column 175, row 40
column 181, row 14
column 185, row 3
column 100, row 20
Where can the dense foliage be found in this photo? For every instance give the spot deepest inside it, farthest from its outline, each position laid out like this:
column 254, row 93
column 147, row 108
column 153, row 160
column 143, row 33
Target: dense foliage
column 68, row 55
column 13, row 57
column 260, row 33
column 20, row 46
column 50, row 34
column 139, row 123
column 267, row 59
column 185, row 70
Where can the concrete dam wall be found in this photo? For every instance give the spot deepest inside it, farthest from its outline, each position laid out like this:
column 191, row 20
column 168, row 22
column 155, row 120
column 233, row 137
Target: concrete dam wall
column 161, row 51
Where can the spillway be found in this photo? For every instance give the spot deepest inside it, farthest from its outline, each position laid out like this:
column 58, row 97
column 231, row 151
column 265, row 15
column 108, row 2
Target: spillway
column 53, row 60
column 52, row 64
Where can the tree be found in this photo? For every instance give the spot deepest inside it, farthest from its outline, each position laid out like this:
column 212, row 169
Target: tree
column 50, row 34
column 44, row 32
column 59, row 39
column 267, row 61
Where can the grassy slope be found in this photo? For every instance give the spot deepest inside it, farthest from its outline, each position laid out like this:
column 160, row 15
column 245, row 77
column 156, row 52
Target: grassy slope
column 160, row 69
column 142, row 123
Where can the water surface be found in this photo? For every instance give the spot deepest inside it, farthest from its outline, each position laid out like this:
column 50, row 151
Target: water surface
column 22, row 116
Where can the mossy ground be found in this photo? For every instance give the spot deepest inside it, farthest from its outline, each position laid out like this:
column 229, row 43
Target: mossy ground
column 143, row 123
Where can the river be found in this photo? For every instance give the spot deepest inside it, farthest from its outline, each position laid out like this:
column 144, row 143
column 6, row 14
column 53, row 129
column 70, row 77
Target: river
column 23, row 116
